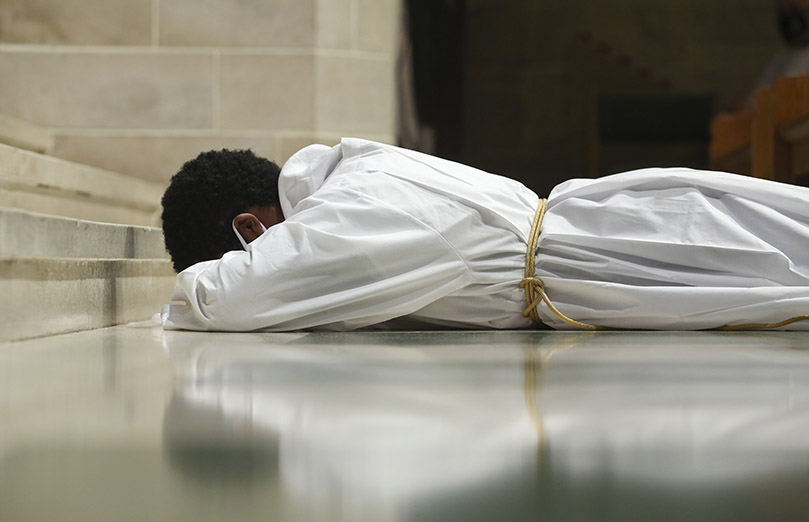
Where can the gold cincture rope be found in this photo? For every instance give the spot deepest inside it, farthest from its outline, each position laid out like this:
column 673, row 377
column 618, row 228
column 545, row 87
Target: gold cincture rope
column 535, row 288
column 765, row 326
column 531, row 370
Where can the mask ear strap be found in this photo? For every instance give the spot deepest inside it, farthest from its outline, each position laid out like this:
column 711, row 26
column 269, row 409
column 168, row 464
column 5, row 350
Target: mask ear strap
column 241, row 239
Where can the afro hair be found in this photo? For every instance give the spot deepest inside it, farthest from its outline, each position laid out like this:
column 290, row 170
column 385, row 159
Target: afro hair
column 205, row 195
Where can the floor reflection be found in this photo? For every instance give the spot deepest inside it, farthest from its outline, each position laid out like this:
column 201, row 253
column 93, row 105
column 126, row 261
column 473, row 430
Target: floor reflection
column 485, row 426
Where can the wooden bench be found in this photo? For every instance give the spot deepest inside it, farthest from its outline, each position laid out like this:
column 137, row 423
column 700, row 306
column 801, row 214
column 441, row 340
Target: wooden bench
column 730, row 142
column 788, row 158
column 770, row 141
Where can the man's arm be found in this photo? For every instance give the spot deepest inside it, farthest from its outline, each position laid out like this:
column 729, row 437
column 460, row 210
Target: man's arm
column 345, row 263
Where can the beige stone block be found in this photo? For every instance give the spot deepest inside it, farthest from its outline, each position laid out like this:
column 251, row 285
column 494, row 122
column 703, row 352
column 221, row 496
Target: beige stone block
column 378, row 25
column 251, row 23
column 43, row 184
column 89, row 22
column 150, row 157
column 333, row 24
column 267, row 91
column 355, row 96
column 26, row 235
column 107, row 89
column 50, row 202
column 24, row 135
column 289, row 145
column 51, row 296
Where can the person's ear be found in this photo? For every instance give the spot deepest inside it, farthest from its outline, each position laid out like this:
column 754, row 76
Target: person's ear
column 248, row 226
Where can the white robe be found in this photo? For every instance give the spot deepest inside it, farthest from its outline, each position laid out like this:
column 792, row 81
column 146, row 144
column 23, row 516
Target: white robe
column 375, row 233
column 676, row 249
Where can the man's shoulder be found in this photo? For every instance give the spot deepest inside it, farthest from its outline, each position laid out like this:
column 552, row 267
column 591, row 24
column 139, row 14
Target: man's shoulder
column 304, row 173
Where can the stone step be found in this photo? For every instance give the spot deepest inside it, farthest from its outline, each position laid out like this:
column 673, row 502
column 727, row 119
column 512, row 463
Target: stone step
column 51, row 296
column 40, row 183
column 25, row 234
column 61, row 275
column 24, row 135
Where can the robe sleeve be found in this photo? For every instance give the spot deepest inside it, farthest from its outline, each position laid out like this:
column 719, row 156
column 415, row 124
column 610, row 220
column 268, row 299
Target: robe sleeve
column 346, row 262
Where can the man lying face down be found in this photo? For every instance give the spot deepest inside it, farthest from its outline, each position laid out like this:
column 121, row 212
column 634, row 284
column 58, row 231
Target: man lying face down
column 364, row 234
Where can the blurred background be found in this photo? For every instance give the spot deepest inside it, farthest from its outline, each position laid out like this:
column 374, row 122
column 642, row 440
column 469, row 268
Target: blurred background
column 539, row 90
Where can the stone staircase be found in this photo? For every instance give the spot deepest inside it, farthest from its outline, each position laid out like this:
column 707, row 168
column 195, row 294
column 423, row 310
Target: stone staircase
column 94, row 260
column 33, row 181
column 25, row 135
column 101, row 101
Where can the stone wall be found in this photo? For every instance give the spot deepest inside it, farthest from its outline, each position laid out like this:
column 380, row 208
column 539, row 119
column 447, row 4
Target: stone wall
column 139, row 86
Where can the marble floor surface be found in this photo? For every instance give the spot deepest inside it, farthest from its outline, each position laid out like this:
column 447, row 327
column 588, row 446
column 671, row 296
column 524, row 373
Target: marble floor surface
column 132, row 423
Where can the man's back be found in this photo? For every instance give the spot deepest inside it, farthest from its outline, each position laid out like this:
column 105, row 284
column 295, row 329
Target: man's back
column 372, row 233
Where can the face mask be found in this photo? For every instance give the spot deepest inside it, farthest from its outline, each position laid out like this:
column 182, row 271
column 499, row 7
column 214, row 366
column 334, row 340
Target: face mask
column 241, row 239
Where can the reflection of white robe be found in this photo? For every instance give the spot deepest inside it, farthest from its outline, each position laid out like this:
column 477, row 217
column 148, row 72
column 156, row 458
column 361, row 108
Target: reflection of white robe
column 373, row 428
column 381, row 423
column 374, row 232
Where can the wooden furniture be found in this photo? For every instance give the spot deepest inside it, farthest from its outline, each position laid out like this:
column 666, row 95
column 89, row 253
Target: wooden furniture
column 730, row 142
column 769, row 141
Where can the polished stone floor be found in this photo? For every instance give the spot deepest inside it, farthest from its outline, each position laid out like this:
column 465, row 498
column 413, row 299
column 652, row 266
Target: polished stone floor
column 130, row 423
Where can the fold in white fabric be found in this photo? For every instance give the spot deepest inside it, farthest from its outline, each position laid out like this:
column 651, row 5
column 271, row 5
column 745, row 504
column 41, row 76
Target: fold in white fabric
column 377, row 234
column 676, row 249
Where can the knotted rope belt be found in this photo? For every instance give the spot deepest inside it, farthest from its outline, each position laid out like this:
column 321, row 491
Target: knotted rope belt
column 535, row 288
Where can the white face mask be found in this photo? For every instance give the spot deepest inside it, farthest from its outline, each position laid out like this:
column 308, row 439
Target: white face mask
column 241, row 239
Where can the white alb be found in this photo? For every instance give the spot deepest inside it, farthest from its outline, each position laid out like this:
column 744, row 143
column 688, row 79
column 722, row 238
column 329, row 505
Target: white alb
column 378, row 234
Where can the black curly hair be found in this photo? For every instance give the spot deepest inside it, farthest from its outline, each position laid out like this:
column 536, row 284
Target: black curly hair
column 205, row 195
